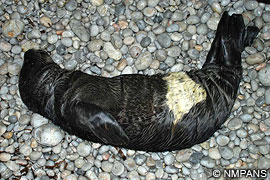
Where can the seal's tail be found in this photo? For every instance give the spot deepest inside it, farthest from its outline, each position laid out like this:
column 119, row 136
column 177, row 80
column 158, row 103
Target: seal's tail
column 231, row 38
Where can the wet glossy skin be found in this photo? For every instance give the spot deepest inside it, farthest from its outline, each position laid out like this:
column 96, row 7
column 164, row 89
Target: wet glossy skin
column 133, row 111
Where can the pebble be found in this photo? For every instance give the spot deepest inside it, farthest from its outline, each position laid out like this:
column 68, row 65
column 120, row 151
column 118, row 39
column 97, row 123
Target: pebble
column 66, row 42
column 266, row 17
column 25, row 150
column 267, row 96
column 264, row 163
column 226, row 152
column 97, row 2
column 169, row 159
column 173, row 51
column 79, row 30
column 214, row 153
column 208, row 162
column 52, row 39
column 193, row 19
column 235, row 124
column 251, row 5
column 263, row 75
column 212, row 23
column 13, row 28
column 256, row 58
column 143, row 61
column 71, row 5
column 45, row 21
column 112, row 52
column 5, row 46
column 164, row 40
column 38, row 120
column 4, row 157
column 84, row 149
column 48, row 135
column 118, row 168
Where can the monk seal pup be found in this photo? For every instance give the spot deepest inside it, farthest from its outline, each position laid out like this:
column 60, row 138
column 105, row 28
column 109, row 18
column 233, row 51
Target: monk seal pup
column 150, row 113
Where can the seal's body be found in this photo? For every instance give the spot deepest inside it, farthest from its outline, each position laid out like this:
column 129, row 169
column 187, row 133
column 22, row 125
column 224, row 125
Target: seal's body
column 151, row 113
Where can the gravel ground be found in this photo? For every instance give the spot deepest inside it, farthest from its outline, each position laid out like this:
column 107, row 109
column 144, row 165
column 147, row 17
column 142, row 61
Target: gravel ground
column 113, row 37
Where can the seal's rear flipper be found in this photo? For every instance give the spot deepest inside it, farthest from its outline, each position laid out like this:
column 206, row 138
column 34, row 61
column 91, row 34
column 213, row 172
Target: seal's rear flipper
column 231, row 38
column 102, row 124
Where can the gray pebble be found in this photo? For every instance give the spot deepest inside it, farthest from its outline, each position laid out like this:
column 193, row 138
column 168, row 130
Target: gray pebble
column 223, row 140
column 264, row 163
column 118, row 168
column 212, row 23
column 267, row 96
column 66, row 42
column 84, row 149
column 193, row 19
column 145, row 42
column 25, row 150
column 70, row 64
column 48, row 135
column 202, row 29
column 208, row 162
column 171, row 169
column 256, row 58
column 205, row 17
column 169, row 159
column 143, row 61
column 266, row 16
column 264, row 75
column 106, row 166
column 79, row 30
column 13, row 28
column 52, row 39
column 5, row 46
column 226, row 152
column 235, row 124
column 164, row 40
column 173, row 51
column 140, row 159
column 130, row 164
column 71, row 5
column 172, row 28
column 251, row 5
column 61, row 50
column 16, row 49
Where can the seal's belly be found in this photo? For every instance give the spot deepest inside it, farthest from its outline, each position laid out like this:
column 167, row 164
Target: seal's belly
column 183, row 93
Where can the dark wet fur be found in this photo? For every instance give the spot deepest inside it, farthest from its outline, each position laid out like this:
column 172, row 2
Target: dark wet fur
column 130, row 110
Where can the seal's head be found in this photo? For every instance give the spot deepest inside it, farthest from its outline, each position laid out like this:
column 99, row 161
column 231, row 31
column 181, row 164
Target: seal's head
column 33, row 56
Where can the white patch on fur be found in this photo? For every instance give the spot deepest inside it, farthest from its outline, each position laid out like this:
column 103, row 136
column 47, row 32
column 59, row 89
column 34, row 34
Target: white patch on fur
column 183, row 93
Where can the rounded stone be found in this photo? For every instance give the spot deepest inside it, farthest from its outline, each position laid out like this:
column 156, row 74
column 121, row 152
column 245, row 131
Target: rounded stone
column 13, row 28
column 212, row 23
column 48, row 135
column 143, row 61
column 207, row 162
column 235, row 124
column 193, row 19
column 112, row 52
column 256, row 58
column 226, row 152
column 66, row 41
column 266, row 16
column 164, row 40
column 5, row 46
column 251, row 5
column 71, row 5
column 118, row 168
column 263, row 75
column 214, row 153
column 84, row 149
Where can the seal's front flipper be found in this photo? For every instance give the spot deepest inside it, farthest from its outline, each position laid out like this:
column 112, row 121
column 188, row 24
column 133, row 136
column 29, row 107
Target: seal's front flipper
column 102, row 124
